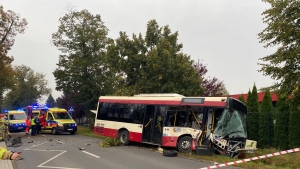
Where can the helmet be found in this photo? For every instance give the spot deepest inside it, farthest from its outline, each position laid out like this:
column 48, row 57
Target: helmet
column 2, row 115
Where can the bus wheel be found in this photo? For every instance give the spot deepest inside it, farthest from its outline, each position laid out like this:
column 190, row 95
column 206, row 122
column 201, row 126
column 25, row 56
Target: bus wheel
column 124, row 137
column 185, row 144
column 54, row 131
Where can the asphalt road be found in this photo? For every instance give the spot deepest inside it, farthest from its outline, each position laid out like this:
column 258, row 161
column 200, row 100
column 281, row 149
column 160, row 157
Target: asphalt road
column 62, row 152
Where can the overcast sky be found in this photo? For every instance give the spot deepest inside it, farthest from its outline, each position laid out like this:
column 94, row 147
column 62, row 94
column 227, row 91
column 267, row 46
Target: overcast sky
column 221, row 33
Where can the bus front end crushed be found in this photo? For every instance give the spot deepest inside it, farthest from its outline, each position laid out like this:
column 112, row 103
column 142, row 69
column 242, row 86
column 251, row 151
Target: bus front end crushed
column 232, row 147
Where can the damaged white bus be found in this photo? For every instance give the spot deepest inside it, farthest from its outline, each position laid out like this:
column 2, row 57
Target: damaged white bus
column 204, row 124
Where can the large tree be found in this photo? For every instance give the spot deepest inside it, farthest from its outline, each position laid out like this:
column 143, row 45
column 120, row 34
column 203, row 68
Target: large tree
column 283, row 32
column 50, row 101
column 11, row 24
column 153, row 63
column 82, row 71
column 266, row 123
column 29, row 87
column 253, row 114
column 211, row 86
column 282, row 123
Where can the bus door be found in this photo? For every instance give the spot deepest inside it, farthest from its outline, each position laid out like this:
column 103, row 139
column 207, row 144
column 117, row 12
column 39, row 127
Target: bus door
column 210, row 121
column 148, row 124
column 160, row 112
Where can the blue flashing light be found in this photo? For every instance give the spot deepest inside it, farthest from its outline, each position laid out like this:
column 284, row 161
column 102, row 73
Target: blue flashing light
column 5, row 111
column 46, row 107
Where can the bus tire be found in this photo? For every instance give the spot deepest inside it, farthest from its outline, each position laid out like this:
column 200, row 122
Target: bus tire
column 54, row 131
column 184, row 145
column 170, row 153
column 124, row 137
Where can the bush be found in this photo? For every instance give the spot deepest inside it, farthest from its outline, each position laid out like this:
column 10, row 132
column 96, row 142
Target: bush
column 108, row 142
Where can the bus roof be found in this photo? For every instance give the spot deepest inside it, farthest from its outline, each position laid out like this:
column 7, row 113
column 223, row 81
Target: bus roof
column 165, row 100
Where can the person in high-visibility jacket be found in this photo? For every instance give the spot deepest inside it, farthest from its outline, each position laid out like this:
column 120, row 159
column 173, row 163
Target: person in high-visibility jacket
column 8, row 155
column 33, row 126
column 28, row 124
column 3, row 127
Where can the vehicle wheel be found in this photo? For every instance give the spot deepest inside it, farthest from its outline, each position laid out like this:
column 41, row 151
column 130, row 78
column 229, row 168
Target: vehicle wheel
column 54, row 131
column 185, row 144
column 170, row 153
column 72, row 132
column 124, row 137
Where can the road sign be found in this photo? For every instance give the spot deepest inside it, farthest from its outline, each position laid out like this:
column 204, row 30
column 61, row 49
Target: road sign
column 71, row 108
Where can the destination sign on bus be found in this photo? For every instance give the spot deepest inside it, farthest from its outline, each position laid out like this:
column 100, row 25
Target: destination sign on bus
column 193, row 100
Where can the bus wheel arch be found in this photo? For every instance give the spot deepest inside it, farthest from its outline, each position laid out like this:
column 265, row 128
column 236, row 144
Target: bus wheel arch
column 184, row 143
column 123, row 136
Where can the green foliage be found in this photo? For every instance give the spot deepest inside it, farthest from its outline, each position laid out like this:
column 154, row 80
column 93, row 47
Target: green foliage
column 10, row 25
column 50, row 101
column 82, row 68
column 241, row 98
column 266, row 122
column 294, row 122
column 282, row 31
column 109, row 142
column 253, row 115
column 29, row 87
column 153, row 64
column 282, row 123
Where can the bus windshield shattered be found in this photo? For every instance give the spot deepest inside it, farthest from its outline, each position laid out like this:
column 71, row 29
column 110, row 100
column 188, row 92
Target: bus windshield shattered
column 232, row 124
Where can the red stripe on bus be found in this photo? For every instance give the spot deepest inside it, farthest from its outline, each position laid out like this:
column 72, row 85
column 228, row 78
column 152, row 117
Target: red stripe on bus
column 164, row 102
column 113, row 133
column 168, row 141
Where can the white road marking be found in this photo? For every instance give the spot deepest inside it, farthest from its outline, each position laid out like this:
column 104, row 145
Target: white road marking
column 42, row 165
column 91, row 154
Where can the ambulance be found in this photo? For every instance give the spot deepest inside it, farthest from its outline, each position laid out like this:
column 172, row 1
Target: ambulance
column 58, row 120
column 16, row 120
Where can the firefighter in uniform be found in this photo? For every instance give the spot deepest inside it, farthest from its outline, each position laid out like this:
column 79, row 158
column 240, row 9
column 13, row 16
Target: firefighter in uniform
column 3, row 128
column 7, row 155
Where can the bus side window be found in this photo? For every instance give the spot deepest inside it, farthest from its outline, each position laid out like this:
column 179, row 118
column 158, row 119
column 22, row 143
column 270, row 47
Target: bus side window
column 102, row 111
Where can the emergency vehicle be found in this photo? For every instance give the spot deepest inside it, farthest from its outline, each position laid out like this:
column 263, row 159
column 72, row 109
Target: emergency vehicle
column 57, row 120
column 16, row 120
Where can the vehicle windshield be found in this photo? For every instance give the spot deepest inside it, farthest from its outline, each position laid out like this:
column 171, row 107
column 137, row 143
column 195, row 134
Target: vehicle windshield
column 61, row 115
column 19, row 116
column 232, row 124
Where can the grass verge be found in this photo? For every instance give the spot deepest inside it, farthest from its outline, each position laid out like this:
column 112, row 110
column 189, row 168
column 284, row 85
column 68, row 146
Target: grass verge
column 86, row 131
column 287, row 161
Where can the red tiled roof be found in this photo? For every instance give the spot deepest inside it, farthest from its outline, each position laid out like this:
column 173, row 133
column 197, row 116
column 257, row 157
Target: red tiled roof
column 260, row 96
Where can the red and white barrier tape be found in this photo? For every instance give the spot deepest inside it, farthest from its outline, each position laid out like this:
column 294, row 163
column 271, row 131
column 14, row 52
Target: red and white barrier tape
column 253, row 158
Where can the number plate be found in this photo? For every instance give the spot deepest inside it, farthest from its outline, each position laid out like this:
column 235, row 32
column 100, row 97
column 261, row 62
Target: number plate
column 70, row 129
column 20, row 127
column 249, row 151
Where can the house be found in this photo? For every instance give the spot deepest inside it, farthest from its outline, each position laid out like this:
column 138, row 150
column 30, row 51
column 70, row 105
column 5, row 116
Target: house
column 260, row 97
